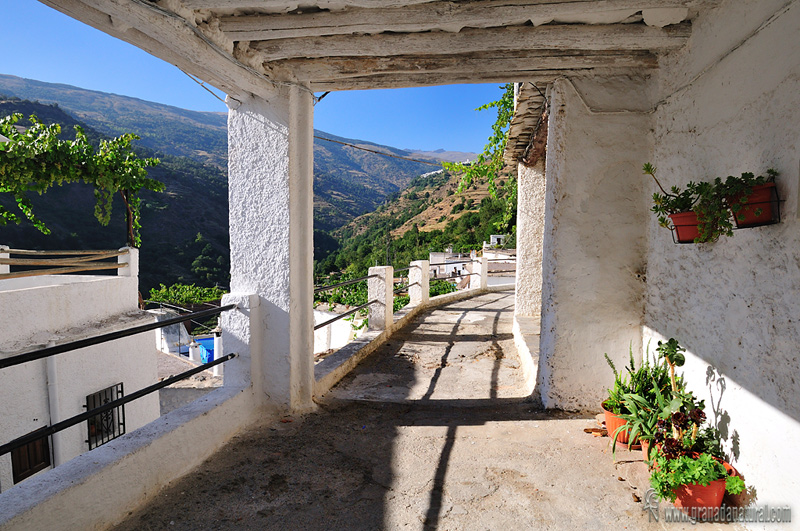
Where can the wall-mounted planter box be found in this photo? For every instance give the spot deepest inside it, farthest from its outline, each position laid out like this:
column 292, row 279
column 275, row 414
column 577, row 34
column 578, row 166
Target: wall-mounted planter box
column 685, row 224
column 761, row 208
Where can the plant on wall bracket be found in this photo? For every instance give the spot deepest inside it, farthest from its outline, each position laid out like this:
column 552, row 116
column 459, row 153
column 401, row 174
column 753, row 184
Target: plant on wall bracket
column 704, row 211
column 34, row 159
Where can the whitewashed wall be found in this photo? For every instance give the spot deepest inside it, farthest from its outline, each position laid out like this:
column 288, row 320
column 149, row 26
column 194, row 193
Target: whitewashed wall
column 38, row 310
column 731, row 103
column 594, row 238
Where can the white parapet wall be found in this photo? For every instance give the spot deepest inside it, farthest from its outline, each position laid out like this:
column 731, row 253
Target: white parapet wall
column 730, row 103
column 50, row 310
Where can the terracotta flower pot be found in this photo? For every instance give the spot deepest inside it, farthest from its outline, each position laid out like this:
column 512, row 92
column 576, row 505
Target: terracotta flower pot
column 685, row 223
column 612, row 423
column 688, row 497
column 758, row 208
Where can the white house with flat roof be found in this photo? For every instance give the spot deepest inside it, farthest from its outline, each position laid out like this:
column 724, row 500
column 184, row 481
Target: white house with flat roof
column 49, row 310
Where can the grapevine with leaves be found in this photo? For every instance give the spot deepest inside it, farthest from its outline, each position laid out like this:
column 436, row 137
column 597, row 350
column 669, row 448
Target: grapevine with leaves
column 35, row 159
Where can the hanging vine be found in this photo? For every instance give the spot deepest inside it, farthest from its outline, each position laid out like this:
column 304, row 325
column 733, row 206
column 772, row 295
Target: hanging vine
column 34, row 159
column 489, row 163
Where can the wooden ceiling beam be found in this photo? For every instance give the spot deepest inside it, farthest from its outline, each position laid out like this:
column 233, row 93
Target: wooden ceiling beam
column 445, row 16
column 285, row 6
column 628, row 37
column 425, row 79
column 343, row 68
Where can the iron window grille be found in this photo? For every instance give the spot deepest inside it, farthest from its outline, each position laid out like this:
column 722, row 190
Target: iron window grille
column 31, row 458
column 108, row 425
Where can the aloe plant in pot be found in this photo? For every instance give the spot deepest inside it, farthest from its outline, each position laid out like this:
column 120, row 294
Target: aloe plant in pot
column 639, row 382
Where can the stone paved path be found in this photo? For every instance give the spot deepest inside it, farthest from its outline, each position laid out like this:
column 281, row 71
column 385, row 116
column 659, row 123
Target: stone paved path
column 431, row 432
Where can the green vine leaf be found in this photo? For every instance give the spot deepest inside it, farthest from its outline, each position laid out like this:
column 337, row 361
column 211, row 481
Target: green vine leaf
column 36, row 159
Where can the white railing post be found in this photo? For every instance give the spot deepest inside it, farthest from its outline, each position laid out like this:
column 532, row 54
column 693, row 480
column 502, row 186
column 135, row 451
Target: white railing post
column 419, row 284
column 4, row 268
column 480, row 270
column 132, row 259
column 380, row 290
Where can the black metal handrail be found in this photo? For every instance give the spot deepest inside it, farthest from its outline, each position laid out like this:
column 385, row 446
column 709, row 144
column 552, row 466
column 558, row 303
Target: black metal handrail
column 403, row 269
column 504, row 271
column 345, row 283
column 77, row 419
column 96, row 340
column 401, row 288
column 342, row 316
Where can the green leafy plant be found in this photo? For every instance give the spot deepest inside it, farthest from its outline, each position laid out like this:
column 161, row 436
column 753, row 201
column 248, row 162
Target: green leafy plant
column 185, row 294
column 36, row 159
column 686, row 453
column 632, row 381
column 670, row 474
column 673, row 202
column 641, row 409
column 490, row 163
column 714, row 202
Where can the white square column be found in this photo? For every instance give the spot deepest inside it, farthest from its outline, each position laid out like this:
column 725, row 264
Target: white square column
column 270, row 189
column 419, row 284
column 380, row 288
column 480, row 273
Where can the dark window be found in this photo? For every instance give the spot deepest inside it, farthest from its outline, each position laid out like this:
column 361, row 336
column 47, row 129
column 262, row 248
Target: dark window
column 30, row 459
column 107, row 425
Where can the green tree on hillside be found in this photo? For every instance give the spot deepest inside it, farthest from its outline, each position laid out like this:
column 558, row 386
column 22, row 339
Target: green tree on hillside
column 489, row 164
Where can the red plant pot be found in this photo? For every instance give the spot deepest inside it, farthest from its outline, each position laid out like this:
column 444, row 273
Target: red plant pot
column 758, row 208
column 685, row 224
column 613, row 422
column 699, row 497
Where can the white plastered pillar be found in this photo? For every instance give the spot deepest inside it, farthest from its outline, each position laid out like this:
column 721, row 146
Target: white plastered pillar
column 596, row 214
column 270, row 188
column 480, row 273
column 530, row 236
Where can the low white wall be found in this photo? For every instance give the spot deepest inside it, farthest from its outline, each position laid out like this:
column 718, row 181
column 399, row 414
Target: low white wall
column 37, row 310
column 333, row 368
column 99, row 489
column 55, row 310
column 335, row 335
column 730, row 104
column 594, row 240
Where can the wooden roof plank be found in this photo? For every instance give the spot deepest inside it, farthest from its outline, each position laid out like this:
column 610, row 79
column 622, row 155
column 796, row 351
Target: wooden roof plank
column 445, row 16
column 331, row 68
column 566, row 37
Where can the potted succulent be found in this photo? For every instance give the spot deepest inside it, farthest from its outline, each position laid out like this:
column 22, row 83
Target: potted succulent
column 704, row 211
column 674, row 208
column 688, row 468
column 750, row 198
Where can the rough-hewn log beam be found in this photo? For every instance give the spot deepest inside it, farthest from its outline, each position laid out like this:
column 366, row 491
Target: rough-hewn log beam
column 424, row 79
column 558, row 37
column 331, row 68
column 284, row 6
column 445, row 16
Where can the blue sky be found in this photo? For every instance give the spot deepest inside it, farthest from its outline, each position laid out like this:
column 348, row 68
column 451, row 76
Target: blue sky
column 41, row 43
